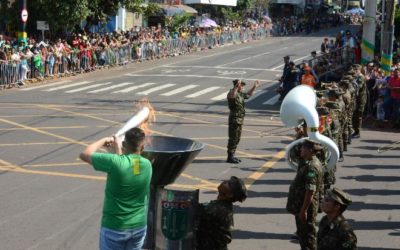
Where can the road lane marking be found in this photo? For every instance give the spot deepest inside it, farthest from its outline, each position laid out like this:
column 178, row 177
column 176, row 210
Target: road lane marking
column 215, row 67
column 179, row 90
column 202, row 92
column 272, row 100
column 87, row 87
column 199, row 76
column 243, row 59
column 111, row 87
column 45, row 85
column 220, row 97
column 151, row 90
column 134, row 88
column 67, row 86
column 264, row 168
column 257, row 94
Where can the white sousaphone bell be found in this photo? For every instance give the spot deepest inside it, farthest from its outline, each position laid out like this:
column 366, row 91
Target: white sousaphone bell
column 298, row 105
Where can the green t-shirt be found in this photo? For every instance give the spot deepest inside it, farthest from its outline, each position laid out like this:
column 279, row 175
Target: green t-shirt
column 127, row 189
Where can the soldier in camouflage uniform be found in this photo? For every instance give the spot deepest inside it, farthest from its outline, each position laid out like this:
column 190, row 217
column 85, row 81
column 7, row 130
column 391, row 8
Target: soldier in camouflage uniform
column 352, row 87
column 216, row 217
column 344, row 86
column 329, row 174
column 334, row 232
column 361, row 100
column 304, row 194
column 336, row 109
column 237, row 111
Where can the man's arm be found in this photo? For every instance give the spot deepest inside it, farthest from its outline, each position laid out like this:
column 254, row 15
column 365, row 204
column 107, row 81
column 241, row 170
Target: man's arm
column 306, row 203
column 89, row 150
column 255, row 85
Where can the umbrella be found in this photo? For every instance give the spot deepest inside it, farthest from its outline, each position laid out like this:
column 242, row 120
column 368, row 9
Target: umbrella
column 267, row 19
column 207, row 22
column 358, row 11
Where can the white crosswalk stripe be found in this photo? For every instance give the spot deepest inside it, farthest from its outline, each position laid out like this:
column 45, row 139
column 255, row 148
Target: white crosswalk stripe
column 45, row 85
column 87, row 87
column 220, row 97
column 179, row 90
column 134, row 87
column 202, row 92
column 67, row 86
column 151, row 90
column 257, row 94
column 111, row 87
column 272, row 101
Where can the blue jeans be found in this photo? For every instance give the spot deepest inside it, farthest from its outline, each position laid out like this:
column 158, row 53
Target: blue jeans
column 130, row 239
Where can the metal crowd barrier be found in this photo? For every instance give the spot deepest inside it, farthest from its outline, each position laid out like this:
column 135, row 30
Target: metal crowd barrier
column 74, row 62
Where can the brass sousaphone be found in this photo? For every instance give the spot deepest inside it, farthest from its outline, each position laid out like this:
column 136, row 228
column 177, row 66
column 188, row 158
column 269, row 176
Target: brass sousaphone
column 299, row 105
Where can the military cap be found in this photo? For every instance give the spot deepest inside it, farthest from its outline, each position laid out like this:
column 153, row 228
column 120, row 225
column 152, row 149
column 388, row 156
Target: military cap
column 345, row 84
column 339, row 196
column 347, row 77
column 286, row 57
column 334, row 93
column 315, row 146
column 322, row 110
column 350, row 72
column 332, row 105
column 238, row 188
column 236, row 81
column 356, row 66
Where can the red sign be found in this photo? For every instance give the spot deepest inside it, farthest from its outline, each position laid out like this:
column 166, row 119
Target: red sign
column 24, row 15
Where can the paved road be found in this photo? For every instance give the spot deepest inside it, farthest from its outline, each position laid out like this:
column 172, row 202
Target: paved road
column 51, row 200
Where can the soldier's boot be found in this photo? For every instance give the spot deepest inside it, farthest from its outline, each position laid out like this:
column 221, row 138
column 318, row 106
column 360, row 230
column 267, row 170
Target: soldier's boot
column 349, row 140
column 356, row 135
column 341, row 158
column 237, row 159
column 344, row 147
column 231, row 159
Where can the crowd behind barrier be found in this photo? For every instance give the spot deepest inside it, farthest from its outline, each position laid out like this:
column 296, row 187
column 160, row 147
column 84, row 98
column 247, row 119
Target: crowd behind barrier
column 81, row 53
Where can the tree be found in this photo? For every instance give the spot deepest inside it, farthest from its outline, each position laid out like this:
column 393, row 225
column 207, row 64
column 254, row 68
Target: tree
column 177, row 21
column 260, row 6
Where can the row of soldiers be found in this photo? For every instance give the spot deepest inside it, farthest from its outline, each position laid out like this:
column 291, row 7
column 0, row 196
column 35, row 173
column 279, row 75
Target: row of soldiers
column 340, row 108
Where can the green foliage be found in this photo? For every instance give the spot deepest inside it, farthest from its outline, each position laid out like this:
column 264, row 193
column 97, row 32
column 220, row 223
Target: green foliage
column 397, row 23
column 230, row 15
column 63, row 15
column 176, row 22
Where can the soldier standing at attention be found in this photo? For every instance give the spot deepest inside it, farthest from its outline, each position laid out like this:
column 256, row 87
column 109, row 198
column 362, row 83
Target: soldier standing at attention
column 216, row 217
column 304, row 194
column 334, row 232
column 361, row 100
column 236, row 98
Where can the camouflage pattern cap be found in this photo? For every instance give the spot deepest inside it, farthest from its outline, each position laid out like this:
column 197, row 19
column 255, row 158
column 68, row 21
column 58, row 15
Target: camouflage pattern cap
column 339, row 196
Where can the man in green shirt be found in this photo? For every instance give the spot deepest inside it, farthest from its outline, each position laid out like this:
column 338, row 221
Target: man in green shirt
column 123, row 225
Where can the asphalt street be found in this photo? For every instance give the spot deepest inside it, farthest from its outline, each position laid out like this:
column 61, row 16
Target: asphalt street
column 49, row 199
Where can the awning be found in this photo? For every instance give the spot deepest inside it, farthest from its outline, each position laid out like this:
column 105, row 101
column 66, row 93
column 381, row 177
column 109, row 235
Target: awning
column 170, row 10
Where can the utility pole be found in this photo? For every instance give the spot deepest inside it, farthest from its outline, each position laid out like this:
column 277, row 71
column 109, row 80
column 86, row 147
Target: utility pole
column 388, row 34
column 368, row 39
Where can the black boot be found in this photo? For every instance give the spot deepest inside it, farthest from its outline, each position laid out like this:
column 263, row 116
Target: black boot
column 341, row 158
column 349, row 140
column 237, row 159
column 232, row 159
column 355, row 135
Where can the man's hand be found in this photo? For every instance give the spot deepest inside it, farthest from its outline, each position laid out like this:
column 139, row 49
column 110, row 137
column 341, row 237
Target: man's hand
column 303, row 216
column 256, row 83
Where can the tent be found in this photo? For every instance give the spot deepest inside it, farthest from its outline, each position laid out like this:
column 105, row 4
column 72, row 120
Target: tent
column 357, row 11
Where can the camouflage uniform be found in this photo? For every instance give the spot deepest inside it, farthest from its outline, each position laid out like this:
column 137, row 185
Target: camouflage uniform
column 215, row 222
column 360, row 103
column 336, row 235
column 345, row 132
column 308, row 178
column 352, row 87
column 236, row 118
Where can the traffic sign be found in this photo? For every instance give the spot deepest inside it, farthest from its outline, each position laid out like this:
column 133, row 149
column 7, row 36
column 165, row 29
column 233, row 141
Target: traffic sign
column 24, row 15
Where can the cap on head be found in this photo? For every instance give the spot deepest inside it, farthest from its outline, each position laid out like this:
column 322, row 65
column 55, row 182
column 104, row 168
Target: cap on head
column 315, row 146
column 236, row 82
column 339, row 196
column 322, row 111
column 286, row 57
column 238, row 189
column 332, row 105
